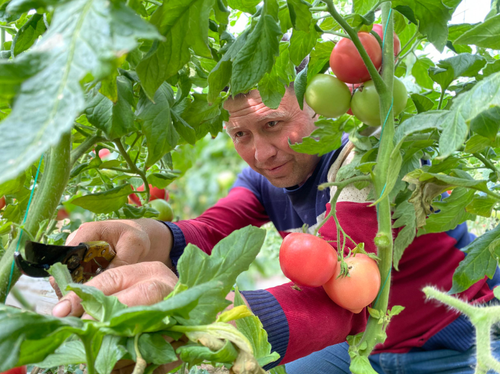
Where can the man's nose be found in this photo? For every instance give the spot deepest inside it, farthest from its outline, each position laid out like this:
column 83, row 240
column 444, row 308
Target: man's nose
column 264, row 150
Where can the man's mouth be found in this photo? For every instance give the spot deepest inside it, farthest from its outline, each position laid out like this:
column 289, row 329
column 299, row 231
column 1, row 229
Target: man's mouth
column 276, row 169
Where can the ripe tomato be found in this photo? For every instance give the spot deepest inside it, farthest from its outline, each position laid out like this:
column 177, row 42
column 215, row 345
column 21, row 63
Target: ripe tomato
column 307, row 260
column 328, row 96
column 365, row 102
column 18, row 370
column 2, row 202
column 380, row 31
column 154, row 193
column 165, row 210
column 104, row 153
column 62, row 214
column 357, row 290
column 346, row 62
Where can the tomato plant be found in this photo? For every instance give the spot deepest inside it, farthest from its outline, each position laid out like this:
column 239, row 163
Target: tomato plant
column 165, row 212
column 346, row 62
column 378, row 28
column 359, row 287
column 307, row 260
column 328, row 96
column 17, row 370
column 155, row 193
column 365, row 104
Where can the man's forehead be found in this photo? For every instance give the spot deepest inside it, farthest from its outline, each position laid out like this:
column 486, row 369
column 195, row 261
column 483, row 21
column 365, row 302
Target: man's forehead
column 251, row 98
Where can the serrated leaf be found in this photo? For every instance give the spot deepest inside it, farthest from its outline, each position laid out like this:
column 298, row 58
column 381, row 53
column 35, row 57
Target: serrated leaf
column 481, row 260
column 110, row 353
column 70, row 353
column 404, row 216
column 326, row 137
column 105, row 202
column 252, row 328
column 396, row 309
column 300, row 15
column 462, row 65
column 302, row 43
column 229, row 258
column 256, row 57
column 117, row 119
column 374, row 313
column 432, row 16
column 95, row 303
column 481, row 205
column 484, row 35
column 161, row 136
column 84, row 38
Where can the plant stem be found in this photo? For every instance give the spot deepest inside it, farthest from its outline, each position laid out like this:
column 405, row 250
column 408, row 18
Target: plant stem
column 377, row 80
column 141, row 364
column 133, row 166
column 486, row 162
column 336, row 33
column 441, row 98
column 43, row 206
column 89, row 355
column 84, row 147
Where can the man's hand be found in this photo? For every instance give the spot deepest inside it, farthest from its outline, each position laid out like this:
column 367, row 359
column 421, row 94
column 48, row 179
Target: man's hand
column 145, row 283
column 133, row 240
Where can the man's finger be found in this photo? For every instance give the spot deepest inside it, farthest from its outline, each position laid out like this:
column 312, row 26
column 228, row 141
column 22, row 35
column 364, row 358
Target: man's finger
column 138, row 284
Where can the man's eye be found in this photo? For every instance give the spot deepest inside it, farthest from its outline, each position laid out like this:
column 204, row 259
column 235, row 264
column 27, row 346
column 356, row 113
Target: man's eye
column 239, row 134
column 272, row 124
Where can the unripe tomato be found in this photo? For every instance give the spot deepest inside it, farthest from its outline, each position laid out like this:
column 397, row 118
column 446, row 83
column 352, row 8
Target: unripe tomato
column 165, row 210
column 307, row 260
column 365, row 102
column 328, row 96
column 226, row 179
column 154, row 193
column 346, row 62
column 360, row 288
column 18, row 370
column 2, row 202
column 380, row 31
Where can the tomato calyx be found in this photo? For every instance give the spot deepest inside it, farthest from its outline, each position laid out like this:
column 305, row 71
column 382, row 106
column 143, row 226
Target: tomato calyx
column 359, row 249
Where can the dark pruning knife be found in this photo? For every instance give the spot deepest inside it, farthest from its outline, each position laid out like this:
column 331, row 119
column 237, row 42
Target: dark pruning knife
column 40, row 257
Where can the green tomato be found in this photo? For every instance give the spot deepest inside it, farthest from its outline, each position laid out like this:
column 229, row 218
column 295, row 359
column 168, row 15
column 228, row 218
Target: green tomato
column 328, row 96
column 365, row 102
column 164, row 209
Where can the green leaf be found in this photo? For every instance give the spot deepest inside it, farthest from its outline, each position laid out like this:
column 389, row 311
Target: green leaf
column 396, row 310
column 481, row 205
column 302, row 43
column 253, row 330
column 203, row 117
column 212, row 350
column 482, row 259
column 477, row 143
column 273, row 85
column 403, row 216
column 16, row 338
column 156, row 350
column 300, row 86
column 109, row 354
column 422, row 103
column 95, row 303
column 84, row 38
column 326, row 137
column 450, row 212
column 300, row 15
column 157, row 126
column 256, row 57
column 105, row 202
column 454, row 133
column 229, row 258
column 485, row 35
column 61, row 275
column 117, row 119
column 28, row 34
column 70, row 353
column 491, row 68
column 162, row 180
column 363, row 6
column 432, row 16
column 496, row 292
column 319, row 58
column 462, row 65
column 487, row 123
column 247, row 6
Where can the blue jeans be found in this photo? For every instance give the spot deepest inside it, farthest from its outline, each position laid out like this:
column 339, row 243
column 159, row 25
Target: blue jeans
column 335, row 360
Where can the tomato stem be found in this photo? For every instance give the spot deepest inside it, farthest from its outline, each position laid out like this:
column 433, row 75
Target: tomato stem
column 84, row 147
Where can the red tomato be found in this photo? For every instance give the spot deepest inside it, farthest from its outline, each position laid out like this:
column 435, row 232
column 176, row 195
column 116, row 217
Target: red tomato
column 18, row 370
column 380, row 31
column 360, row 288
column 62, row 214
column 346, row 62
column 307, row 260
column 2, row 202
column 154, row 193
column 104, row 153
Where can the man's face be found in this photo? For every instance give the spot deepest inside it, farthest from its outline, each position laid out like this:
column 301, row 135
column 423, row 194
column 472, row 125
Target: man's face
column 261, row 134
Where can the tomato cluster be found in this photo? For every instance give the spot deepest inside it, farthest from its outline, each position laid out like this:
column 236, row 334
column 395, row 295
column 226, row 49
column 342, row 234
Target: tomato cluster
column 308, row 260
column 351, row 90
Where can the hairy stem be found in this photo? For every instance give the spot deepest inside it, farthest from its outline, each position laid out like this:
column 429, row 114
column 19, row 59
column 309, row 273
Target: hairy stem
column 89, row 354
column 141, row 364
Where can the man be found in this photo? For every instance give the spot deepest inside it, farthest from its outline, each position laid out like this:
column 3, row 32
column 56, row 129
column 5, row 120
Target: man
column 281, row 186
